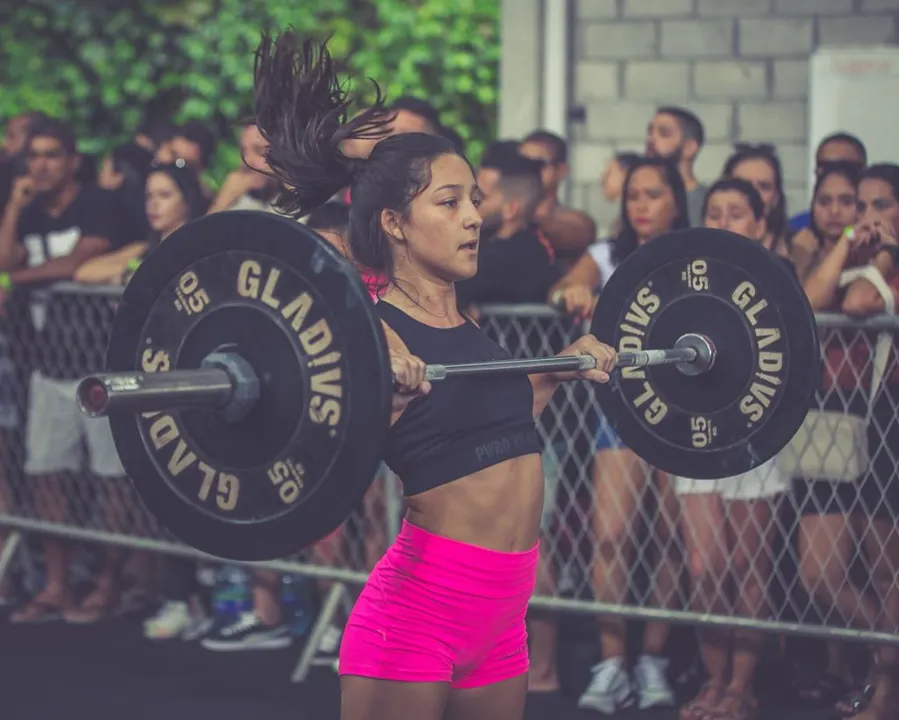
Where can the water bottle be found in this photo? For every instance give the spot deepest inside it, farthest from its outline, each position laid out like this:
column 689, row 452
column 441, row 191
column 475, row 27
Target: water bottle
column 232, row 594
column 296, row 603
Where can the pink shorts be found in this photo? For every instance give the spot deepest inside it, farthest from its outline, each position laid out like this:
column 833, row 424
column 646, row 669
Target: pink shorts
column 438, row 610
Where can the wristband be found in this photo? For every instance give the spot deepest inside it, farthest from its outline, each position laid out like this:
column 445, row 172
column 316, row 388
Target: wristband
column 133, row 264
column 5, row 282
column 556, row 299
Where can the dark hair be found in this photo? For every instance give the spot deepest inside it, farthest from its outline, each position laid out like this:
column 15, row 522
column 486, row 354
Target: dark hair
column 421, row 108
column 744, row 187
column 627, row 159
column 690, row 125
column 887, row 172
column 301, row 111
column 848, row 170
column 455, row 138
column 498, row 151
column 849, row 139
column 334, row 216
column 520, row 179
column 555, row 143
column 131, row 161
column 162, row 132
column 197, row 133
column 188, row 184
column 778, row 219
column 31, row 117
column 53, row 128
column 626, row 242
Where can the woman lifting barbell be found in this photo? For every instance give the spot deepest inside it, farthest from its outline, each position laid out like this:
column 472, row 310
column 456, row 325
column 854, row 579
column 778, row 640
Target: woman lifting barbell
column 439, row 628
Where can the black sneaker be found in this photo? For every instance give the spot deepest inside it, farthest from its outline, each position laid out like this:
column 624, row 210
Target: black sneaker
column 247, row 633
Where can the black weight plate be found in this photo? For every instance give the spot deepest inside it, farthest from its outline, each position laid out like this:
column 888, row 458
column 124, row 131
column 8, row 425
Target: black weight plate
column 299, row 463
column 750, row 404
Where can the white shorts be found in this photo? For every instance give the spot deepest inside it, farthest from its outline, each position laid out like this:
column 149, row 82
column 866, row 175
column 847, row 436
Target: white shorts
column 765, row 481
column 58, row 433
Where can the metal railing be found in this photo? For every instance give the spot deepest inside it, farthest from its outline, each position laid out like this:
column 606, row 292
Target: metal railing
column 619, row 538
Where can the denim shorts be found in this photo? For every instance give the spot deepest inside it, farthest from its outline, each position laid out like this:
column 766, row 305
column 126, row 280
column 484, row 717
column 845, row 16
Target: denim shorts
column 606, row 438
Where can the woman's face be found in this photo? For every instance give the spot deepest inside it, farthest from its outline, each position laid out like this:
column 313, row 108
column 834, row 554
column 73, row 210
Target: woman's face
column 730, row 210
column 877, row 207
column 166, row 208
column 438, row 238
column 650, row 205
column 834, row 206
column 612, row 180
column 761, row 174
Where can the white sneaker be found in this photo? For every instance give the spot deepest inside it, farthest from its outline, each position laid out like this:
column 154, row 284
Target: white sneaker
column 651, row 679
column 609, row 690
column 169, row 622
column 330, row 642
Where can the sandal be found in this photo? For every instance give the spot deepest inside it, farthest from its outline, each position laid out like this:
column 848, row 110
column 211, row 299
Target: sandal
column 823, row 689
column 37, row 611
column 95, row 607
column 742, row 706
column 702, row 706
column 855, row 703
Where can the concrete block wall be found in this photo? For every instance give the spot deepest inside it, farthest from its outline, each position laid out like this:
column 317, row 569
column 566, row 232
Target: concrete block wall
column 741, row 65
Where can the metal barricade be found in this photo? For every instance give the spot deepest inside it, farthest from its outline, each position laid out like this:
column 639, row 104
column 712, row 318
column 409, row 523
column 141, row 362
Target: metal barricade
column 621, row 539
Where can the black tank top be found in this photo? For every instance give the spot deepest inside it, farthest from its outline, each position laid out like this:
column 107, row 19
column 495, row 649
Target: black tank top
column 464, row 424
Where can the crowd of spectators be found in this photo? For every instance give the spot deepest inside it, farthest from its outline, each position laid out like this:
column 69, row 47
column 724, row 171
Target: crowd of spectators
column 712, row 544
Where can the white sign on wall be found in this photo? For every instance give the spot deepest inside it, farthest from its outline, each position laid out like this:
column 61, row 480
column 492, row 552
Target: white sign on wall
column 855, row 90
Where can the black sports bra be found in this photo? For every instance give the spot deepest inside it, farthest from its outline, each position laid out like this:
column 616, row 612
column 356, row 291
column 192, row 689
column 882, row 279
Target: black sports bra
column 464, row 424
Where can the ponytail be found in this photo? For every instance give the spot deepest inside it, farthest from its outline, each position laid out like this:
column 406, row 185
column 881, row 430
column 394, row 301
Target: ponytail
column 301, row 111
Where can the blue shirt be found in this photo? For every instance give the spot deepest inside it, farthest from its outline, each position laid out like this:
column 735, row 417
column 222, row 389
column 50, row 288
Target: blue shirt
column 800, row 221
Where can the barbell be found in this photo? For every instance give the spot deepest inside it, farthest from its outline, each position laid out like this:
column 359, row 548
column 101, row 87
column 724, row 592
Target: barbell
column 248, row 385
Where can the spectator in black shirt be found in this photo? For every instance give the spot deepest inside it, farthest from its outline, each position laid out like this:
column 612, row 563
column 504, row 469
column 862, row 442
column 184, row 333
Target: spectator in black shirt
column 50, row 227
column 514, row 263
column 12, row 152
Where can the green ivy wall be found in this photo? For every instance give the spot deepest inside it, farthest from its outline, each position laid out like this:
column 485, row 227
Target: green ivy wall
column 107, row 64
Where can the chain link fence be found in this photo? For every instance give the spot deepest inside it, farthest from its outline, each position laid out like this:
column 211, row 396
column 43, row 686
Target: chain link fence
column 806, row 544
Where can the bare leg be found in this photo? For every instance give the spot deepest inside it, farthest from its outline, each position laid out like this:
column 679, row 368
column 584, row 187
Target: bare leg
column 826, row 543
column 502, row 701
column 6, row 505
column 266, row 603
column 543, row 631
column 619, row 479
column 704, row 528
column 751, row 526
column 51, row 504
column 665, row 577
column 881, row 543
column 364, row 698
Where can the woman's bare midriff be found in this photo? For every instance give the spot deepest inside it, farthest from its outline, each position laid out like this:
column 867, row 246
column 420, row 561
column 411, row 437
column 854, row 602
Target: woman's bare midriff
column 497, row 508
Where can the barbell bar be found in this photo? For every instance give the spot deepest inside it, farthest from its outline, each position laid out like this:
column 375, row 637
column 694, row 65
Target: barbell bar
column 218, row 385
